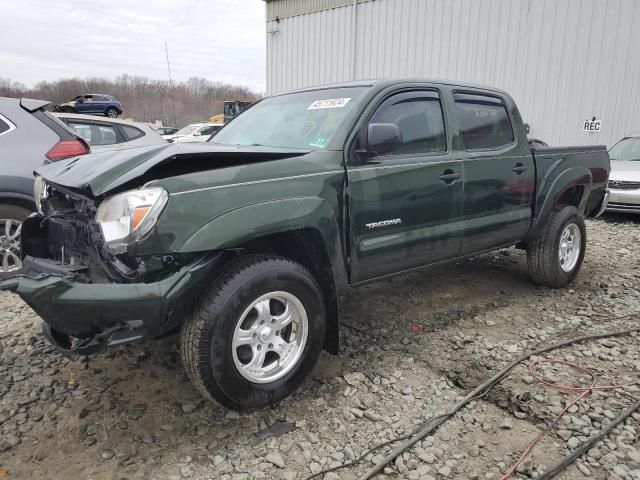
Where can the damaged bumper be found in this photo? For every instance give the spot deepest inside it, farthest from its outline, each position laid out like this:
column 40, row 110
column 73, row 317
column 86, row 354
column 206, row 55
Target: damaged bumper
column 87, row 317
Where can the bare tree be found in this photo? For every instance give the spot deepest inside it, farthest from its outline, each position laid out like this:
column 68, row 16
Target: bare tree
column 143, row 99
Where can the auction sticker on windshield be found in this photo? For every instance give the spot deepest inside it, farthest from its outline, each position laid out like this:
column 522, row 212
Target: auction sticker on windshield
column 329, row 103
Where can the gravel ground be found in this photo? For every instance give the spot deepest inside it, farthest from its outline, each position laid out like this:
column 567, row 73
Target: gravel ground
column 414, row 346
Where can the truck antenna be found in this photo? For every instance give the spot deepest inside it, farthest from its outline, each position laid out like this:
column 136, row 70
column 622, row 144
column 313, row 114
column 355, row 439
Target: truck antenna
column 173, row 100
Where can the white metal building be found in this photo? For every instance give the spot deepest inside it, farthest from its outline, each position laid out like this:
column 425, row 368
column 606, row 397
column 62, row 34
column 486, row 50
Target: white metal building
column 564, row 61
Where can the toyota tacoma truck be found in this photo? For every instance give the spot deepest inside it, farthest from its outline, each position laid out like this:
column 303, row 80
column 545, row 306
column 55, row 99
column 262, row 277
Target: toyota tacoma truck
column 249, row 244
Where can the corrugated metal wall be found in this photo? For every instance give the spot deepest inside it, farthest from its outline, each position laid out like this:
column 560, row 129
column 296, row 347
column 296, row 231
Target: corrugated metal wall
column 562, row 60
column 290, row 8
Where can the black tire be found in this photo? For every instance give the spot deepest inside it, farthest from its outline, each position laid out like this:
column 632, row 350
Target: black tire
column 206, row 337
column 111, row 113
column 543, row 257
column 11, row 212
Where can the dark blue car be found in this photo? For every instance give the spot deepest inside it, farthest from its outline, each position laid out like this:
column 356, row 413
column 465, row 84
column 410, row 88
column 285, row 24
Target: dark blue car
column 93, row 103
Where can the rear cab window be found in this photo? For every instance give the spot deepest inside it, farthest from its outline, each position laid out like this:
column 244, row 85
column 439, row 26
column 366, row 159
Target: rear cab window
column 483, row 121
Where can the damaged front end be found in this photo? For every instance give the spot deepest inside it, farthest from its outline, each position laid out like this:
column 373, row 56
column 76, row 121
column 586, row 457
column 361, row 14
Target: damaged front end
column 92, row 294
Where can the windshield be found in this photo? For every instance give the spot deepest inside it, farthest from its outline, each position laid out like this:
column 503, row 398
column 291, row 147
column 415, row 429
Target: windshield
column 305, row 120
column 626, row 149
column 187, row 130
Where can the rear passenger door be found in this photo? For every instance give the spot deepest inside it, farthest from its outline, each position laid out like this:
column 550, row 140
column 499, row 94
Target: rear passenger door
column 404, row 202
column 499, row 172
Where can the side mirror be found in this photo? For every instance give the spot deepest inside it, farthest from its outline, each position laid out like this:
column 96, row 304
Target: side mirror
column 197, row 133
column 382, row 136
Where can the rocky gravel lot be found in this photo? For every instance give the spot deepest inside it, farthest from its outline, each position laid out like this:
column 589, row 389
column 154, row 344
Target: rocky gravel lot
column 414, row 346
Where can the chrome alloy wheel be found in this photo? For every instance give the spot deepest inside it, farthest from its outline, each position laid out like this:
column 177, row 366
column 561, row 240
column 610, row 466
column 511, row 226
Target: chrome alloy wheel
column 10, row 245
column 270, row 337
column 570, row 246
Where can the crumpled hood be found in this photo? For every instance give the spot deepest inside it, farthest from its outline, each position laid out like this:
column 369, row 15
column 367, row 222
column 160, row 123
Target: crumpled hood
column 99, row 173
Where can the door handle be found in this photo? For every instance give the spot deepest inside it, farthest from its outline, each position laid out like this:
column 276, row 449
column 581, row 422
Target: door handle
column 520, row 168
column 449, row 176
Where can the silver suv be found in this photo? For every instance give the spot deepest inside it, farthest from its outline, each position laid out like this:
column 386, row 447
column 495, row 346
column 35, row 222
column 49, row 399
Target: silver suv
column 29, row 138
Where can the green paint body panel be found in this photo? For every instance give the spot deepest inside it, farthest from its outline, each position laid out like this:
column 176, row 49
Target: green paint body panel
column 82, row 309
column 329, row 193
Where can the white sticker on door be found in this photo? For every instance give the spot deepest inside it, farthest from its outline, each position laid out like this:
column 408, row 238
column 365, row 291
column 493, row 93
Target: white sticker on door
column 329, row 103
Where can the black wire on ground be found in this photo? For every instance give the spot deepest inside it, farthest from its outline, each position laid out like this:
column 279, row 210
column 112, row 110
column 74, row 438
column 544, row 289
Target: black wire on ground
column 481, row 390
column 573, row 456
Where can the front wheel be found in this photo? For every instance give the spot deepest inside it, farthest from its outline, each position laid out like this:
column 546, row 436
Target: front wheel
column 257, row 334
column 555, row 257
column 11, row 218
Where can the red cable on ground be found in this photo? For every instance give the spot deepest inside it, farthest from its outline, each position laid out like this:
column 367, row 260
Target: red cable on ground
column 569, row 388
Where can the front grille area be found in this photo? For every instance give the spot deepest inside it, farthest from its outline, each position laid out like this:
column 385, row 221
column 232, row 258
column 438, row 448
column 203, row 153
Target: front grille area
column 623, row 185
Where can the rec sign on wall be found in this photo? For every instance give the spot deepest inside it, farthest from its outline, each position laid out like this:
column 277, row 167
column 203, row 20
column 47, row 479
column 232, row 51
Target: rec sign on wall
column 592, row 126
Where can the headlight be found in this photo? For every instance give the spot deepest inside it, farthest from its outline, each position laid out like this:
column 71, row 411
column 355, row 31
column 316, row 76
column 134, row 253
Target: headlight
column 39, row 192
column 128, row 216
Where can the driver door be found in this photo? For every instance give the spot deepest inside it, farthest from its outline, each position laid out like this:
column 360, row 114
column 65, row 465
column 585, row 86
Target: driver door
column 84, row 104
column 405, row 199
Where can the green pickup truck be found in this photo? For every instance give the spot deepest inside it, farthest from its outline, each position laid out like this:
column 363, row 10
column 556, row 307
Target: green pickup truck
column 248, row 244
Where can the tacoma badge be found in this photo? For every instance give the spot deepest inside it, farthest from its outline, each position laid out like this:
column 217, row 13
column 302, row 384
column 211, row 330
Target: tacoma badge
column 383, row 223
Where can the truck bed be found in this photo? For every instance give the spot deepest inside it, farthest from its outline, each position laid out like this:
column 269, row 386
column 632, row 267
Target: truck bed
column 582, row 171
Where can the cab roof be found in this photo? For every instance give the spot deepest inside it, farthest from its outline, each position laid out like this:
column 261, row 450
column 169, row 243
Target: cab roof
column 382, row 83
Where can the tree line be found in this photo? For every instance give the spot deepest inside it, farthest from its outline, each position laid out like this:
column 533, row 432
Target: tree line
column 143, row 99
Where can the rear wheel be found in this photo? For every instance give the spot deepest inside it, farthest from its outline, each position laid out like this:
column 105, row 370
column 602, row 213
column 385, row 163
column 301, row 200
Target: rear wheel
column 555, row 257
column 111, row 112
column 257, row 334
column 11, row 218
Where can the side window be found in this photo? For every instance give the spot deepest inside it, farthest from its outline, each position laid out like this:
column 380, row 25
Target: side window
column 131, row 133
column 4, row 126
column 95, row 134
column 81, row 129
column 100, row 98
column 208, row 130
column 484, row 121
column 418, row 116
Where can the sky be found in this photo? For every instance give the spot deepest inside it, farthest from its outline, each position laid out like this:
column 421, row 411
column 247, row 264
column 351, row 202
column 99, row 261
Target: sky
column 220, row 40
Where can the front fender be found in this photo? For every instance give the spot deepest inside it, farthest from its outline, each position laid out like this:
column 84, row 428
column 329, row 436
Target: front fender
column 244, row 224
column 551, row 190
column 252, row 221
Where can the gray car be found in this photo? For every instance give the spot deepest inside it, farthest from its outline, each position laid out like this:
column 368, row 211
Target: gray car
column 29, row 138
column 109, row 133
column 624, row 180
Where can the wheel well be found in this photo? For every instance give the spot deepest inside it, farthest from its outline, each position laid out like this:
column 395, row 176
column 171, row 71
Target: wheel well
column 306, row 247
column 572, row 196
column 18, row 202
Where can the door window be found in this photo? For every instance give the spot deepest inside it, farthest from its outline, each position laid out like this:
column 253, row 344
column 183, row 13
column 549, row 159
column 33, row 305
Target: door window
column 419, row 118
column 207, row 130
column 484, row 121
column 95, row 134
column 131, row 133
column 4, row 126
